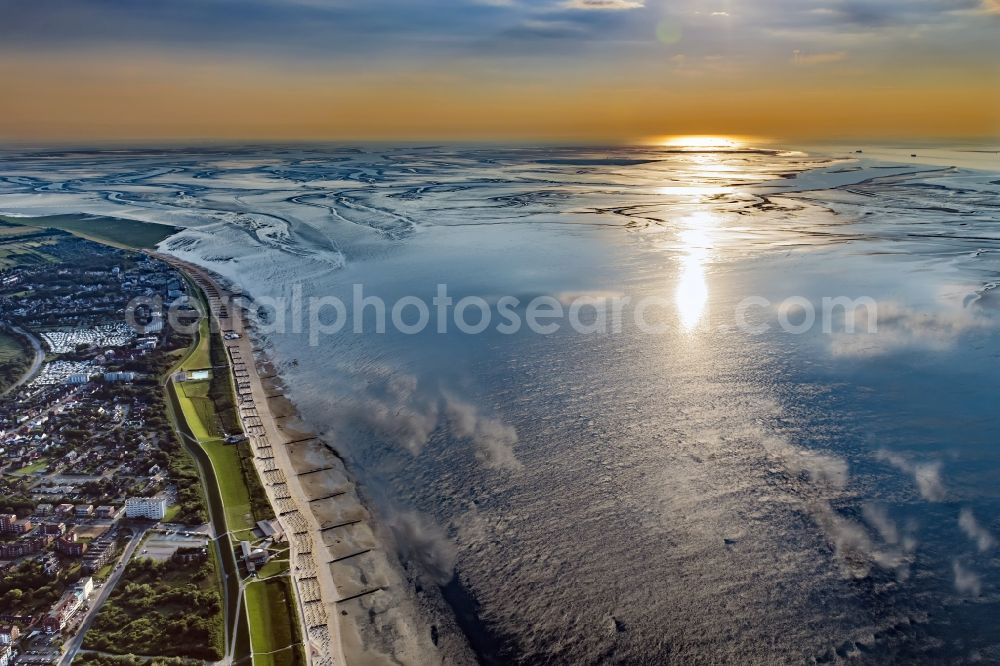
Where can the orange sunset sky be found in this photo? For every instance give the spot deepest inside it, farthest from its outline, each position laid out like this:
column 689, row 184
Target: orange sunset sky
column 618, row 70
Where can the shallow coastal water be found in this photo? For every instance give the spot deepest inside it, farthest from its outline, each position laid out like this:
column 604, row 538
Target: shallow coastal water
column 705, row 493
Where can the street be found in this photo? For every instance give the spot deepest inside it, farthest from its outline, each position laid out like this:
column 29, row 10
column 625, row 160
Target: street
column 73, row 645
column 36, row 362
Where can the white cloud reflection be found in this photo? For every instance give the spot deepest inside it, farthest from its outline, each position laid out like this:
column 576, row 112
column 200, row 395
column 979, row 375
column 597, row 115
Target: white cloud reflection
column 901, row 328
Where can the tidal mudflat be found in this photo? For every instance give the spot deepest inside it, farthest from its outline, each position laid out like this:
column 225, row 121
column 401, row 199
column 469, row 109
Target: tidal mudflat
column 733, row 486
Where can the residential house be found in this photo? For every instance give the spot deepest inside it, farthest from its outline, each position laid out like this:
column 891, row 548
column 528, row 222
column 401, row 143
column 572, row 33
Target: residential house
column 29, row 546
column 7, row 654
column 9, row 524
column 99, row 555
column 50, row 564
column 106, row 511
column 70, row 545
column 9, row 633
column 67, row 606
column 54, row 529
column 62, row 611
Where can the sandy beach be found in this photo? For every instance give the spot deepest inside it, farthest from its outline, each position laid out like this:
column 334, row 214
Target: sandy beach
column 296, row 470
column 352, row 598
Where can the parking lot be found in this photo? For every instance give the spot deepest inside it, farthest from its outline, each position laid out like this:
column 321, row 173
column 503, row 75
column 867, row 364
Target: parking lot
column 42, row 649
column 161, row 546
column 39, row 657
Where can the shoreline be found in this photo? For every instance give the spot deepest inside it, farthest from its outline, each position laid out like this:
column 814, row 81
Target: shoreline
column 316, row 594
column 357, row 603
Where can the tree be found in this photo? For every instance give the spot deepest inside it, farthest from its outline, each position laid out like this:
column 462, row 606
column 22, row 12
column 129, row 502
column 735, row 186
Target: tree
column 13, row 598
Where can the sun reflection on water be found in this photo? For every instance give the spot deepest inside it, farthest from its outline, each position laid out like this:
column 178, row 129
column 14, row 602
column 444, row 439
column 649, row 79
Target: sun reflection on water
column 692, row 292
column 694, row 190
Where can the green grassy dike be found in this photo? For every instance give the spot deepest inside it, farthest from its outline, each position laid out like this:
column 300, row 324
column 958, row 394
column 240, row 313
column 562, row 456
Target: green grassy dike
column 217, row 516
column 274, row 628
column 124, row 234
column 205, row 413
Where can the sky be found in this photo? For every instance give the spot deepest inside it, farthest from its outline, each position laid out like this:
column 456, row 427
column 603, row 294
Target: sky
column 617, row 70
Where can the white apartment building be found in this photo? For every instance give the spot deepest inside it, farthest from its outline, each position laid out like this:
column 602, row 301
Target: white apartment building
column 151, row 508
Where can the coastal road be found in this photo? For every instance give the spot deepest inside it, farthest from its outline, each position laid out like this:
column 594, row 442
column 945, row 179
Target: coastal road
column 36, row 363
column 73, row 644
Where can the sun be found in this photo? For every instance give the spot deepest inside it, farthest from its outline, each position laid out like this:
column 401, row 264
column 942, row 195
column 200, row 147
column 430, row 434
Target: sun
column 698, row 141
